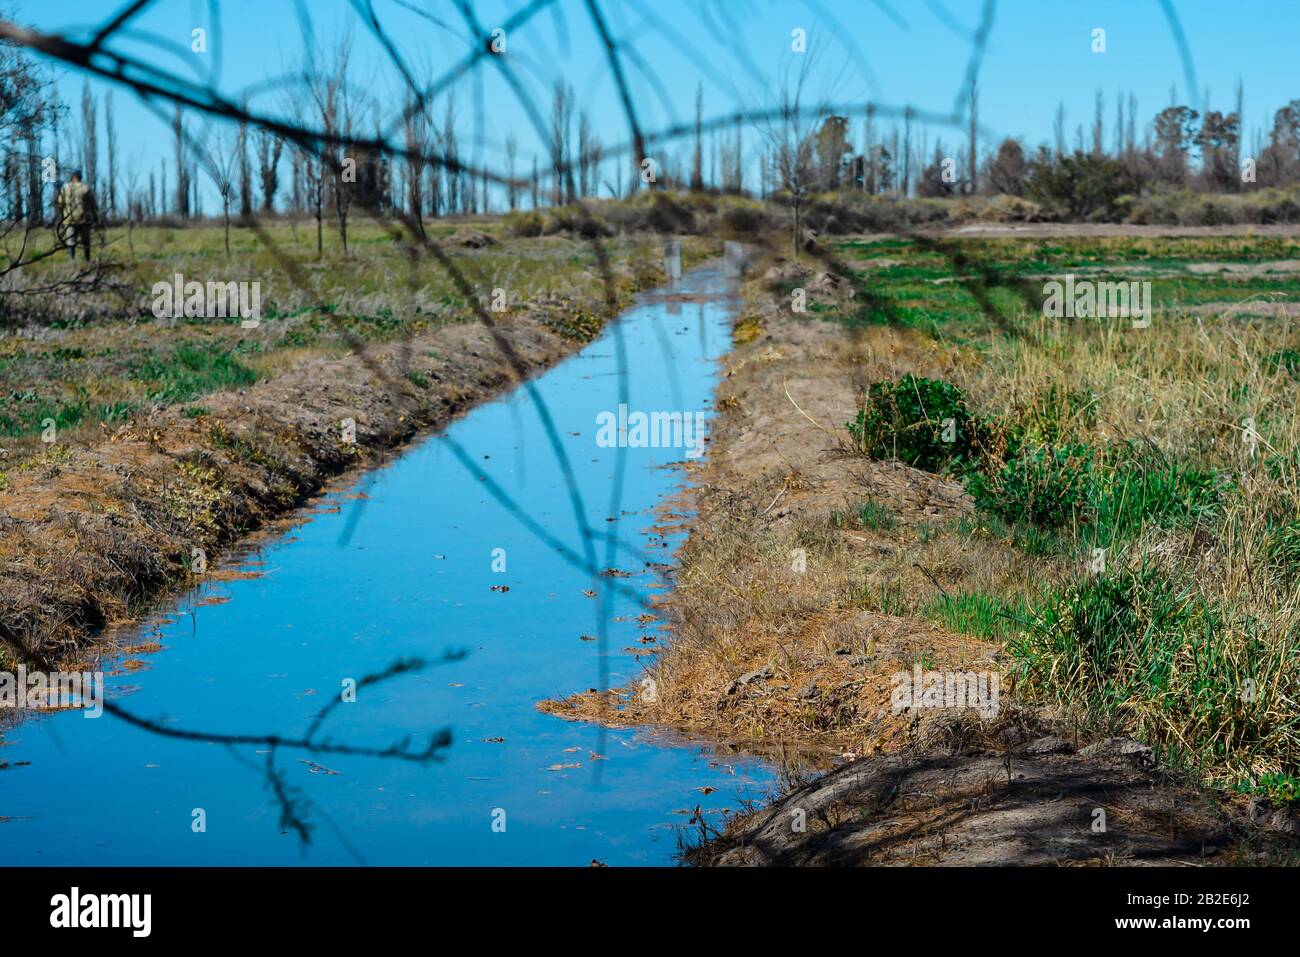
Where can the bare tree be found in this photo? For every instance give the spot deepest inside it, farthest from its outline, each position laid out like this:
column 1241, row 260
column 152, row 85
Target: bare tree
column 110, row 132
column 90, row 139
column 972, row 139
column 182, row 173
column 132, row 200
column 584, row 154
column 417, row 133
column 697, row 157
column 512, row 187
column 335, row 103
column 218, row 157
column 561, row 120
column 792, row 142
column 244, row 170
column 269, row 148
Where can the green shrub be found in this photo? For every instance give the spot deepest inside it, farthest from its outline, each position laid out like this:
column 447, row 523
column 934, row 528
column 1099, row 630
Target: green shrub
column 1110, row 639
column 1046, row 486
column 925, row 423
column 1141, row 487
column 744, row 220
column 1081, row 186
column 524, row 224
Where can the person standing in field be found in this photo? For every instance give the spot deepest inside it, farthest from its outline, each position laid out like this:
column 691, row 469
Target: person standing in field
column 76, row 206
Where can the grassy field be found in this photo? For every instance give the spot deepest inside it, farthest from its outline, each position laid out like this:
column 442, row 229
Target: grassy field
column 83, row 360
column 1140, row 485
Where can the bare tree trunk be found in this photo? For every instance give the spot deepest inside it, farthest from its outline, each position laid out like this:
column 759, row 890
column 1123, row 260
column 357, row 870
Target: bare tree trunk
column 972, row 154
column 110, row 130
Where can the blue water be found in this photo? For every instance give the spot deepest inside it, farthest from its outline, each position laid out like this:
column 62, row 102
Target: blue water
column 407, row 571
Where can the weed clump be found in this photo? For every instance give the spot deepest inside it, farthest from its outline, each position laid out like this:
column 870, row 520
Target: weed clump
column 1137, row 652
column 526, row 225
column 925, row 423
column 1045, row 486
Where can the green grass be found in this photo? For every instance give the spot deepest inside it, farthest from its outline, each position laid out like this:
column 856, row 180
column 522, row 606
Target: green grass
column 189, row 371
column 877, row 516
column 1138, row 653
column 964, row 291
column 978, row 614
column 873, row 515
column 99, row 363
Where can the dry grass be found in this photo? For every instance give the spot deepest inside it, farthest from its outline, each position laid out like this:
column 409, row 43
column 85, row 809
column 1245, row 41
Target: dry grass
column 1189, row 638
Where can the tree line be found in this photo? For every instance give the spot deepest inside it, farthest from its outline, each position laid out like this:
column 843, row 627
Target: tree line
column 255, row 172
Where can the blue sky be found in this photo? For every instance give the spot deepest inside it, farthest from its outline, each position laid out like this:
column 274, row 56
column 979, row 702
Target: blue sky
column 897, row 52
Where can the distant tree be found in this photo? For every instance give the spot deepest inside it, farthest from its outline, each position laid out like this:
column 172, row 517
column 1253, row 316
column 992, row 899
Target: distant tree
column 182, row 170
column 110, row 132
column 1082, row 185
column 418, row 135
column 832, row 144
column 90, row 140
column 697, row 161
column 269, row 148
column 561, row 120
column 1280, row 160
column 1218, row 140
column 1175, row 129
column 334, row 104
column 216, row 154
column 933, row 182
column 793, row 147
column 584, row 153
column 1006, row 172
column 451, row 155
column 244, row 169
column 512, row 188
column 905, row 174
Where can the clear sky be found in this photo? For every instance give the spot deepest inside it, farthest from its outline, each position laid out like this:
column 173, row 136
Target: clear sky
column 895, row 52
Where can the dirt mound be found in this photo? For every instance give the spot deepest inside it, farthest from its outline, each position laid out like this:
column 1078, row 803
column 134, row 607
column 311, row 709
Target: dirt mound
column 471, row 239
column 990, row 808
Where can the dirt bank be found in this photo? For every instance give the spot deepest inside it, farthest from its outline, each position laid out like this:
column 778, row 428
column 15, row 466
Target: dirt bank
column 783, row 636
column 92, row 532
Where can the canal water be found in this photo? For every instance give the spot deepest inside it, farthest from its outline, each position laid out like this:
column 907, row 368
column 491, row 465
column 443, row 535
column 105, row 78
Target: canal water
column 407, row 563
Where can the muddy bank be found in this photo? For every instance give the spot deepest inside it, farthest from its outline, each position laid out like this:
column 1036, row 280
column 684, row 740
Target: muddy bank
column 91, row 533
column 783, row 635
